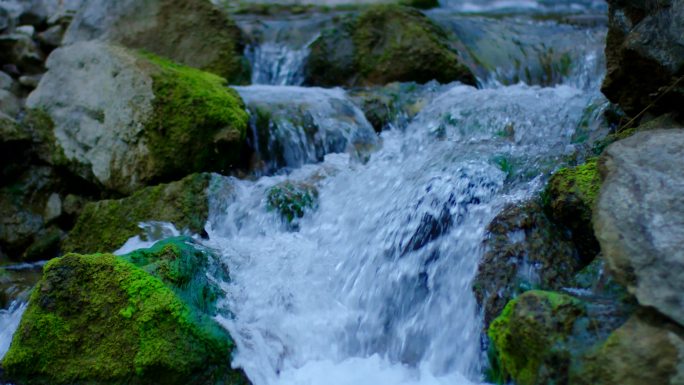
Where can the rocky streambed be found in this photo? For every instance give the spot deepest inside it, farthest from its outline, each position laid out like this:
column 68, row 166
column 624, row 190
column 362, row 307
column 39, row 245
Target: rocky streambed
column 323, row 193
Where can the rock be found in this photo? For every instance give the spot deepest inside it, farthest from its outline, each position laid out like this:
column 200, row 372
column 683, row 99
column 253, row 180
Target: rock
column 23, row 225
column 192, row 32
column 53, row 207
column 30, row 81
column 645, row 350
column 99, row 319
column 527, row 338
column 569, row 199
column 524, row 251
column 106, row 225
column 20, row 50
column 645, row 55
column 124, row 120
column 27, row 30
column 10, row 105
column 6, row 82
column 52, row 37
column 638, row 219
column 292, row 199
column 385, row 43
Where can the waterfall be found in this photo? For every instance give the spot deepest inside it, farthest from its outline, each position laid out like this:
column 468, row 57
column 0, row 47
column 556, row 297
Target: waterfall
column 9, row 322
column 373, row 285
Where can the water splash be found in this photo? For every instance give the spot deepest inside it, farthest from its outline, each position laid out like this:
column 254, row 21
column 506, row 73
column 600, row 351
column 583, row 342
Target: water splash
column 9, row 322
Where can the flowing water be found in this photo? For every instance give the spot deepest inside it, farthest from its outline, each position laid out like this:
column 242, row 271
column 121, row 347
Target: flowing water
column 373, row 284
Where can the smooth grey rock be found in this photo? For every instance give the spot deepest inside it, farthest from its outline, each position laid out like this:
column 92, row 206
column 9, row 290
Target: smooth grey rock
column 53, row 207
column 99, row 100
column 639, row 218
column 52, row 37
column 6, row 81
column 9, row 104
column 27, row 30
column 30, row 81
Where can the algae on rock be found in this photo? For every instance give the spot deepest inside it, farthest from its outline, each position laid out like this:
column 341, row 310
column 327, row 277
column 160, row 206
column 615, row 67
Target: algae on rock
column 291, row 200
column 106, row 225
column 99, row 319
column 382, row 44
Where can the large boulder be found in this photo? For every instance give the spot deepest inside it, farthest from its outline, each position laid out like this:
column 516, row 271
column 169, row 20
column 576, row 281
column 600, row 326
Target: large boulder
column 192, row 32
column 638, row 218
column 100, row 319
column 106, row 225
column 383, row 44
column 645, row 55
column 124, row 120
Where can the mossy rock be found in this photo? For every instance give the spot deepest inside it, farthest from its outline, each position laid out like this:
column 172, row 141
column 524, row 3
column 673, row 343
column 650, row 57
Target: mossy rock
column 647, row 349
column 193, row 32
column 527, row 338
column 182, row 264
column 106, row 225
column 383, row 44
column 98, row 319
column 158, row 121
column 292, row 199
column 524, row 250
column 199, row 124
column 569, row 199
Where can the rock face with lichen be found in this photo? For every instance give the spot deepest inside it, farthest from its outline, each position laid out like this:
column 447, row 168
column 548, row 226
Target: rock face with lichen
column 645, row 55
column 106, row 225
column 124, row 120
column 100, row 319
column 384, row 44
column 639, row 218
column 191, row 32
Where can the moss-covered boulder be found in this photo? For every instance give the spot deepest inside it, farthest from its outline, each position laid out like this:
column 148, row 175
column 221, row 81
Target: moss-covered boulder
column 569, row 199
column 106, row 225
column 292, row 199
column 98, row 319
column 192, row 32
column 528, row 338
column 524, row 251
column 382, row 44
column 124, row 120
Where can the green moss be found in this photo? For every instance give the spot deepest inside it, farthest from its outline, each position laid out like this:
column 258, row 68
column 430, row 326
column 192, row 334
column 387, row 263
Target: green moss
column 182, row 264
column 569, row 199
column 526, row 333
column 106, row 225
column 291, row 200
column 199, row 123
column 98, row 319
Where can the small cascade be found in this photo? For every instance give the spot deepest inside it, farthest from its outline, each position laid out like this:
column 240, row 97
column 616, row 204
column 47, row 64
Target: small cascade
column 277, row 64
column 292, row 126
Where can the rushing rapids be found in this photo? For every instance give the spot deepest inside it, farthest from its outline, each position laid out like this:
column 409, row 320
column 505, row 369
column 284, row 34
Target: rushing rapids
column 372, row 285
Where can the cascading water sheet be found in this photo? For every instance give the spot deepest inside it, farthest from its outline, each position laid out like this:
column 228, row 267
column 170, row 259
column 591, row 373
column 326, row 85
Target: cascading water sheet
column 373, row 286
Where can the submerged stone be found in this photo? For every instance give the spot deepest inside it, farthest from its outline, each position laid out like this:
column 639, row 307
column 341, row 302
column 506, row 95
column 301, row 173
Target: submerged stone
column 123, row 120
column 292, row 199
column 106, row 225
column 98, row 319
column 384, row 43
